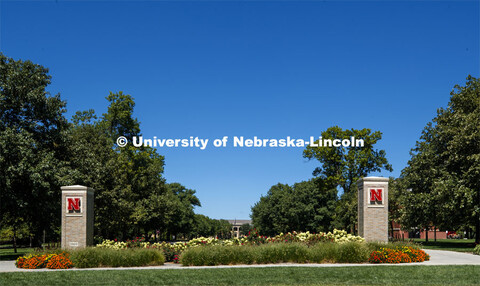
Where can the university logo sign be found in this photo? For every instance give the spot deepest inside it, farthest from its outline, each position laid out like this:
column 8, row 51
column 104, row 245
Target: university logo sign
column 74, row 205
column 376, row 196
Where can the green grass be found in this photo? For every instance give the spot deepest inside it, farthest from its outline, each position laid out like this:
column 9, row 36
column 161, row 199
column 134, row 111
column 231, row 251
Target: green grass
column 460, row 245
column 9, row 254
column 368, row 275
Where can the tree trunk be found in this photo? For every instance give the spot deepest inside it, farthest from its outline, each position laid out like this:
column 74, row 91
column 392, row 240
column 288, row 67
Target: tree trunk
column 477, row 222
column 435, row 233
column 477, row 230
column 426, row 234
column 14, row 238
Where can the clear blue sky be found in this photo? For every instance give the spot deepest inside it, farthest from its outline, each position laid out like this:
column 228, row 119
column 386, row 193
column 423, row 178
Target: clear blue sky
column 270, row 69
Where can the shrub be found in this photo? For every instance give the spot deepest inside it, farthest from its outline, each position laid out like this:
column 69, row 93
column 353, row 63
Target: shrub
column 217, row 255
column 349, row 252
column 277, row 253
column 352, row 252
column 476, row 250
column 104, row 257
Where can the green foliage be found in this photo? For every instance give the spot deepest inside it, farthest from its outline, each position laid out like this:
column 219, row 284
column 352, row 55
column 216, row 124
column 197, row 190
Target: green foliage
column 305, row 206
column 350, row 252
column 476, row 250
column 205, row 226
column 245, row 229
column 341, row 168
column 103, row 257
column 444, row 170
column 32, row 147
column 22, row 233
column 132, row 197
column 217, row 255
column 281, row 252
column 40, row 151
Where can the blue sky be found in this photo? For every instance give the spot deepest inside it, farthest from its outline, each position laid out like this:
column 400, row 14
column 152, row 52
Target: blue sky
column 268, row 69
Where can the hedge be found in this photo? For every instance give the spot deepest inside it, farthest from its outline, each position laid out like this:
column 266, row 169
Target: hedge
column 92, row 257
column 350, row 252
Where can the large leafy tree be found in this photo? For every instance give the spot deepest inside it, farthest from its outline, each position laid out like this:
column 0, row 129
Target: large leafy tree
column 445, row 165
column 32, row 147
column 341, row 168
column 305, row 206
column 205, row 226
column 132, row 197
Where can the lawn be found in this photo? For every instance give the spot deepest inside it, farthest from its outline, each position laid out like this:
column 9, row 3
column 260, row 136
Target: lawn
column 367, row 275
column 461, row 245
column 9, row 254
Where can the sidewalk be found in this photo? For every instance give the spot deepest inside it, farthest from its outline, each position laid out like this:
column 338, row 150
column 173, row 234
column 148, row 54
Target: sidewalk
column 437, row 257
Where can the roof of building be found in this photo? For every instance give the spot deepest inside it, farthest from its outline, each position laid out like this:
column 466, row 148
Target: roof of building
column 239, row 221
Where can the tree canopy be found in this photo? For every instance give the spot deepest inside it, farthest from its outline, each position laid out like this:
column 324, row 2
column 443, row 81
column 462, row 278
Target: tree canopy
column 40, row 150
column 342, row 167
column 443, row 174
column 305, row 206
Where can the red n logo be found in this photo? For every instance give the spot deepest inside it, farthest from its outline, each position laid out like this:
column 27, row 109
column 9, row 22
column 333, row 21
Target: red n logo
column 73, row 204
column 375, row 195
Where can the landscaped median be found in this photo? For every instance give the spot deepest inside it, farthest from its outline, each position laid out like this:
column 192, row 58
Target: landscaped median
column 332, row 247
column 92, row 257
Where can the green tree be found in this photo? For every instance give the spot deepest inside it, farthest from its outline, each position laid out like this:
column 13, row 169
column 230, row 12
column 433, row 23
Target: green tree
column 245, row 229
column 341, row 167
column 184, row 216
column 207, row 227
column 445, row 167
column 32, row 148
column 305, row 206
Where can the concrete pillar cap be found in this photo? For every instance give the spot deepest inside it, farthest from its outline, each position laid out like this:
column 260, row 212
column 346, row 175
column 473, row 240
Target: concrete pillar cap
column 372, row 179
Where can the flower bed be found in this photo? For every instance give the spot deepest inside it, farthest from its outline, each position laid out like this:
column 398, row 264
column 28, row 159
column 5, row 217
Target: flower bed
column 172, row 251
column 51, row 261
column 398, row 255
column 92, row 257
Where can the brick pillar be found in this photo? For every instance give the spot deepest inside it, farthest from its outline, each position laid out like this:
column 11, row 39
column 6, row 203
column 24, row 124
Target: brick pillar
column 373, row 208
column 77, row 216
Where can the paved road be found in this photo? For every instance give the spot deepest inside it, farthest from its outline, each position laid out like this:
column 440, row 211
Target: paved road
column 437, row 257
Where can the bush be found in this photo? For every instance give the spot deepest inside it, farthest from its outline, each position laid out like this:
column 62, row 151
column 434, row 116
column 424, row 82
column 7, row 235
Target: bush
column 282, row 252
column 104, row 257
column 348, row 252
column 476, row 250
column 217, row 255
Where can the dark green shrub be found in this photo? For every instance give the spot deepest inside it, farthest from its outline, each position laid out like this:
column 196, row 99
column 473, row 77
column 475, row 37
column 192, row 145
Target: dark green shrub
column 348, row 252
column 351, row 252
column 281, row 252
column 476, row 250
column 376, row 246
column 217, row 255
column 103, row 257
column 323, row 253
